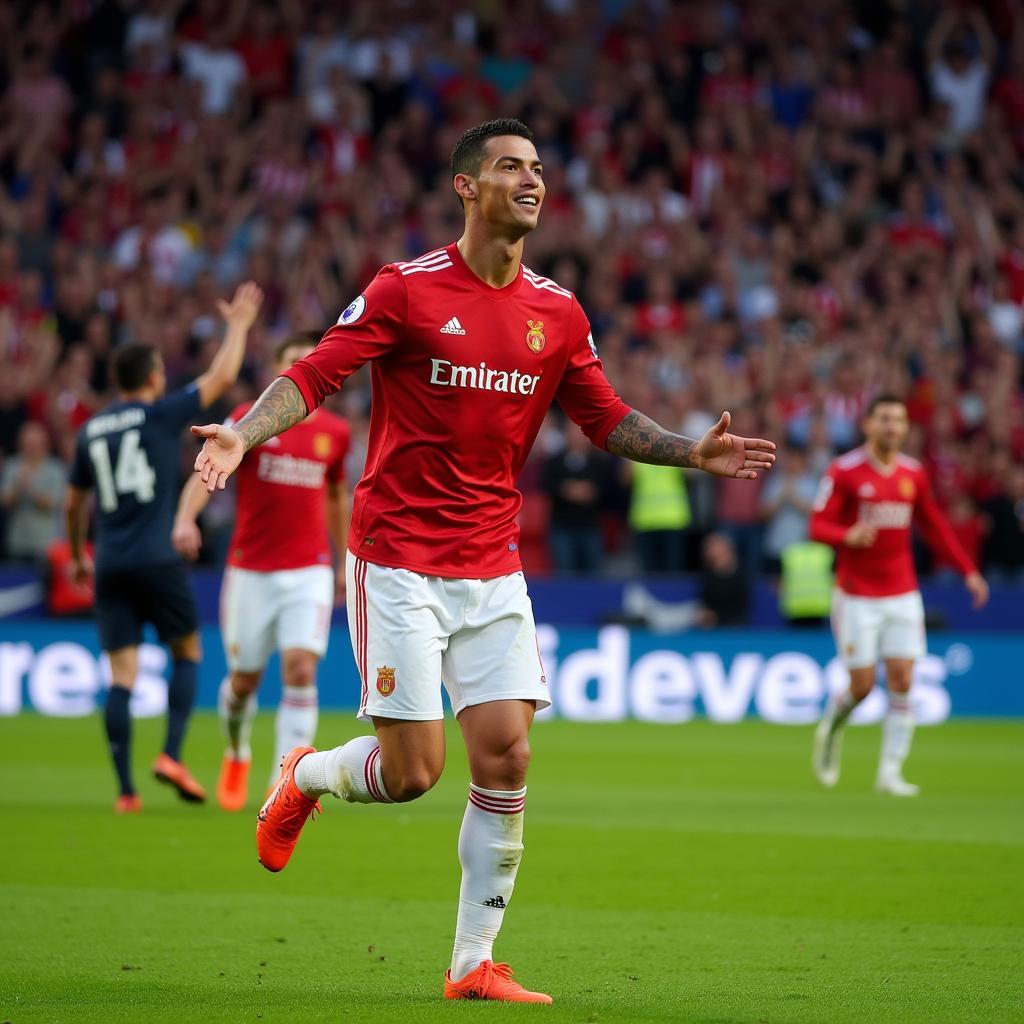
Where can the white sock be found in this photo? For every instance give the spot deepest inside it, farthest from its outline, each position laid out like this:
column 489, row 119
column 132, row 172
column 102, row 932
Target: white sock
column 897, row 733
column 236, row 715
column 295, row 725
column 490, row 848
column 839, row 709
column 351, row 771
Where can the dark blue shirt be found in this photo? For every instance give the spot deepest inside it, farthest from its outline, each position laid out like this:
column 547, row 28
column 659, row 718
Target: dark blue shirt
column 131, row 455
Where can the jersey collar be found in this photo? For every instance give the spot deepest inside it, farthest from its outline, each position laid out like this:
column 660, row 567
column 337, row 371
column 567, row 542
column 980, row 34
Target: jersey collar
column 463, row 269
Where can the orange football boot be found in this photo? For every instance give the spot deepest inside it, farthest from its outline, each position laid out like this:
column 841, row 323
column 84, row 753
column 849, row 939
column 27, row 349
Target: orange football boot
column 281, row 818
column 233, row 784
column 128, row 803
column 174, row 773
column 491, row 981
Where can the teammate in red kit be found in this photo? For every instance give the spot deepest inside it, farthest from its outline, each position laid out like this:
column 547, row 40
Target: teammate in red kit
column 868, row 500
column 468, row 348
column 279, row 586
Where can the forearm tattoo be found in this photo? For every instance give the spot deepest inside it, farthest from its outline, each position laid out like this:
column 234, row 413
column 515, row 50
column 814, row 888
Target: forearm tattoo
column 279, row 407
column 641, row 439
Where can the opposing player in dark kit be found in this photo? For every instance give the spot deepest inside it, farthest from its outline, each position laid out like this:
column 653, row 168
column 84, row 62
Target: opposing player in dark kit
column 130, row 455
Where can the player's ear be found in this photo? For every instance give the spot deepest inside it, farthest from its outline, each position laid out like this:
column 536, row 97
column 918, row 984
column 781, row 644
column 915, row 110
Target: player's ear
column 465, row 187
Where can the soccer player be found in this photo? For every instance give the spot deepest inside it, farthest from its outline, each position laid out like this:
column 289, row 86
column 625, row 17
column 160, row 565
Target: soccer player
column 279, row 587
column 130, row 455
column 468, row 349
column 866, row 504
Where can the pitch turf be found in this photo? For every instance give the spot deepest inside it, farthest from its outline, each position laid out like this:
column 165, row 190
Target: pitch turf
column 687, row 873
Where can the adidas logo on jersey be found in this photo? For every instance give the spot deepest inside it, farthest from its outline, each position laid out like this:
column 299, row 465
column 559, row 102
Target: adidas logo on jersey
column 453, row 327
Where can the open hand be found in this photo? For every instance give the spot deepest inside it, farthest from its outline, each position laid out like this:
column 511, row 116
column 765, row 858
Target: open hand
column 220, row 455
column 243, row 309
column 725, row 454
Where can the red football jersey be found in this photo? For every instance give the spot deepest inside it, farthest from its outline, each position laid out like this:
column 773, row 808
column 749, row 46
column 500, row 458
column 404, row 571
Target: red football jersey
column 462, row 375
column 281, row 513
column 857, row 489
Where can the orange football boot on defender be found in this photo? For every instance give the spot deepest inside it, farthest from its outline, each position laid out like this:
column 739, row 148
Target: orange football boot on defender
column 281, row 818
column 233, row 784
column 174, row 773
column 491, row 981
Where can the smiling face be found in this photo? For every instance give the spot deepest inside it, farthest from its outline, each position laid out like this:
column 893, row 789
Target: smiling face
column 508, row 191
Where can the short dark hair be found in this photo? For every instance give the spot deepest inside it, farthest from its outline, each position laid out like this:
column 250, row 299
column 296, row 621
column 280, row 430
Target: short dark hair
column 132, row 366
column 884, row 399
column 468, row 153
column 293, row 340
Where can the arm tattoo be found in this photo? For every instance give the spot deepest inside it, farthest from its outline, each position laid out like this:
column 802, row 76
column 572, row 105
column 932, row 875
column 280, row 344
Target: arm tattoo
column 278, row 408
column 642, row 440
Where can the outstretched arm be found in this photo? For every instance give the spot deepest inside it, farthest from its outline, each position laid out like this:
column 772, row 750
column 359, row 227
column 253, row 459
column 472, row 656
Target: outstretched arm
column 279, row 407
column 239, row 315
column 639, row 438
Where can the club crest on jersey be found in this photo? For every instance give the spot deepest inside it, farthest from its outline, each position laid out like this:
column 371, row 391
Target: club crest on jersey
column 535, row 335
column 385, row 680
column 906, row 488
column 321, row 445
column 353, row 311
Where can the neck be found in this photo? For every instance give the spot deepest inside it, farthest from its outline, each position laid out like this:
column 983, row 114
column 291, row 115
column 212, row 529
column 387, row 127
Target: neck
column 145, row 395
column 882, row 455
column 495, row 260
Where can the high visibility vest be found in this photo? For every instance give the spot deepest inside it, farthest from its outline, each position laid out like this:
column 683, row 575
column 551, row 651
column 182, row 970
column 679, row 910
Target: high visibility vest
column 659, row 500
column 805, row 589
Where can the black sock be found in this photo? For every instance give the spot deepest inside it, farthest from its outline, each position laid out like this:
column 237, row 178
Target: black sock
column 119, row 735
column 181, row 695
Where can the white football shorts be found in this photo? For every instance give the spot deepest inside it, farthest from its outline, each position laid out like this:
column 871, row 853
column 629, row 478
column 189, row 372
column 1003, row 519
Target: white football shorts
column 285, row 609
column 868, row 629
column 411, row 633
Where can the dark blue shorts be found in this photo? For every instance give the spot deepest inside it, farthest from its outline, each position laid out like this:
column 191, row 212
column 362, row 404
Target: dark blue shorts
column 126, row 599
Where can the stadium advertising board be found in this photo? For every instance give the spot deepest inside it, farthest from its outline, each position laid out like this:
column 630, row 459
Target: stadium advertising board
column 595, row 675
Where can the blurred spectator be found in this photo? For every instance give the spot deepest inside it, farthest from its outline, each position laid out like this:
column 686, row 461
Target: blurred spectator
column 1004, row 544
column 659, row 513
column 31, row 488
column 577, row 482
column 786, row 501
column 724, row 586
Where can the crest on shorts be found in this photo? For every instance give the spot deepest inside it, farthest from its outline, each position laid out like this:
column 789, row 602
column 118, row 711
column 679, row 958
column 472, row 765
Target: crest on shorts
column 535, row 335
column 385, row 680
column 906, row 488
column 321, row 445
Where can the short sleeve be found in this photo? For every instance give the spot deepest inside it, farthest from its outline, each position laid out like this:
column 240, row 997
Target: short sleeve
column 584, row 391
column 179, row 407
column 80, row 475
column 368, row 328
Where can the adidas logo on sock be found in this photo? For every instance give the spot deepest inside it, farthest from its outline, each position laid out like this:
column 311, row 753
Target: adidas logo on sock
column 453, row 327
column 496, row 901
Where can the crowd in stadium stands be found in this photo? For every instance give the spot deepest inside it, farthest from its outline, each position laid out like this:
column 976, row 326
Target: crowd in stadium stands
column 777, row 208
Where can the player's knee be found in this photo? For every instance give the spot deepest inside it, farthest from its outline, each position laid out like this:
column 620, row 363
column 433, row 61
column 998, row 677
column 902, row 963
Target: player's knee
column 509, row 767
column 860, row 689
column 299, row 668
column 411, row 783
column 187, row 648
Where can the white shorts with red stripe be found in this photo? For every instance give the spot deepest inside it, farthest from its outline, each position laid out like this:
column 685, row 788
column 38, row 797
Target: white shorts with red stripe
column 867, row 629
column 287, row 609
column 412, row 633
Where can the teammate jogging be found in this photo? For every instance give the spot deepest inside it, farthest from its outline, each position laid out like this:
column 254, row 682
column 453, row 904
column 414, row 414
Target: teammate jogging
column 278, row 588
column 130, row 454
column 867, row 501
column 468, row 348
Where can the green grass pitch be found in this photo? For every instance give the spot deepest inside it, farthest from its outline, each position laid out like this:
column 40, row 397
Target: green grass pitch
column 688, row 873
